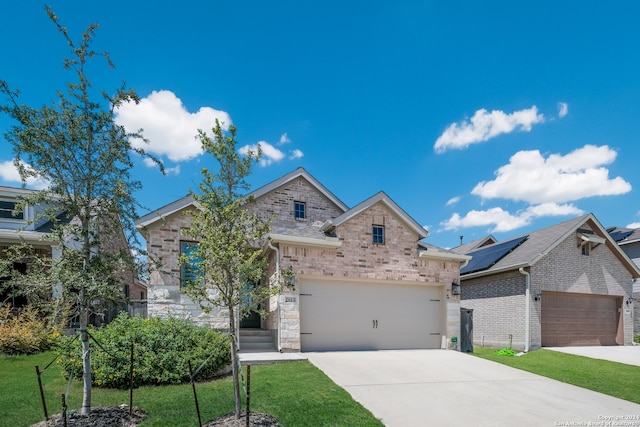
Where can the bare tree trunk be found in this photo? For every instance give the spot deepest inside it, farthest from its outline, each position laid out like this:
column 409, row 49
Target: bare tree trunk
column 234, row 361
column 86, row 362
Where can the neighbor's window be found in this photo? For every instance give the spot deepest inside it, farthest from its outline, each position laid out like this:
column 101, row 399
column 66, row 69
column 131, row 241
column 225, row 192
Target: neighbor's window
column 300, row 210
column 7, row 208
column 378, row 234
column 188, row 271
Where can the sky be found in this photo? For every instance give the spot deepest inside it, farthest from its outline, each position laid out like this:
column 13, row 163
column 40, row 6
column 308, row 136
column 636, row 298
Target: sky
column 476, row 118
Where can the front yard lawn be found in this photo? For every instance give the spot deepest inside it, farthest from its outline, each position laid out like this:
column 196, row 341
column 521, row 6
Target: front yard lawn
column 297, row 393
column 612, row 378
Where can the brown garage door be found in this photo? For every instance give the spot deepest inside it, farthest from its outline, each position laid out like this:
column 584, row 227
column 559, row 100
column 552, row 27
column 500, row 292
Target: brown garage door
column 570, row 319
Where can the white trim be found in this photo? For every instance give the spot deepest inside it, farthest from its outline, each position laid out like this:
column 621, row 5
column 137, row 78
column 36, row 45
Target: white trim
column 443, row 255
column 329, row 242
column 591, row 238
column 29, row 236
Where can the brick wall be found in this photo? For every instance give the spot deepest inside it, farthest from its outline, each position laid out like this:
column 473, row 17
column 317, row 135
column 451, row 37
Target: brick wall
column 499, row 300
column 498, row 305
column 280, row 203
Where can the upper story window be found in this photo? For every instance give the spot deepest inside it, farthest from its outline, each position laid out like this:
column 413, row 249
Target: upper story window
column 378, row 235
column 299, row 210
column 586, row 249
column 7, row 208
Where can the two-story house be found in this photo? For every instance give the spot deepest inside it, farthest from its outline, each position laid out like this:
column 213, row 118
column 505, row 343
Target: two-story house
column 363, row 279
column 28, row 225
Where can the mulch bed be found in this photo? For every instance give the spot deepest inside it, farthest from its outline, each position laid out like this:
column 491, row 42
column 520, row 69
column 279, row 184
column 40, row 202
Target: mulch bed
column 107, row 416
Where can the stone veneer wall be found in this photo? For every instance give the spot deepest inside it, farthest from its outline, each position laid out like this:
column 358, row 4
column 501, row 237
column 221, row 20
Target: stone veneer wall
column 565, row 269
column 359, row 258
column 164, row 296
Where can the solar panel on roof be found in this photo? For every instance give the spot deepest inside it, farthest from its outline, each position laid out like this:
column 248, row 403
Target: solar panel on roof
column 486, row 257
column 620, row 235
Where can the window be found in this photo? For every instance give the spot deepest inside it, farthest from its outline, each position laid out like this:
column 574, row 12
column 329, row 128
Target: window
column 300, row 210
column 586, row 249
column 378, row 235
column 7, row 208
column 188, row 271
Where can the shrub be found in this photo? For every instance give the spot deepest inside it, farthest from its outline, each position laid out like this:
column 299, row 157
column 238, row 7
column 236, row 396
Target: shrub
column 506, row 352
column 162, row 350
column 25, row 332
column 636, row 339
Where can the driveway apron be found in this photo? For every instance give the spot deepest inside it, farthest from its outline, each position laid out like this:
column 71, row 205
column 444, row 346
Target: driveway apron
column 447, row 388
column 628, row 354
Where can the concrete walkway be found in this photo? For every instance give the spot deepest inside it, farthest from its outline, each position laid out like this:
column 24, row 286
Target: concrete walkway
column 629, row 354
column 420, row 388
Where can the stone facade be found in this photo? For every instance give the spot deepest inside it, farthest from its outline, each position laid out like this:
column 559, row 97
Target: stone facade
column 355, row 258
column 499, row 302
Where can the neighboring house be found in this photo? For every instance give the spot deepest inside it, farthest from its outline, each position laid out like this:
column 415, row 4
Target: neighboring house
column 629, row 240
column 25, row 225
column 564, row 285
column 363, row 280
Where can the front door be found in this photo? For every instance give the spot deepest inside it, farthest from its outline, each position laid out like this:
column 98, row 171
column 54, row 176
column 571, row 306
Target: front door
column 252, row 320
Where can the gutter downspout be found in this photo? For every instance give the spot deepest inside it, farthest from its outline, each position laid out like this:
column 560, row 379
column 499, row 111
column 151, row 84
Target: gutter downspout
column 279, row 295
column 527, row 304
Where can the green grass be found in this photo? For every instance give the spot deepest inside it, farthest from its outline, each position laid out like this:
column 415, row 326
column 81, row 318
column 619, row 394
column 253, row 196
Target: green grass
column 615, row 379
column 297, row 393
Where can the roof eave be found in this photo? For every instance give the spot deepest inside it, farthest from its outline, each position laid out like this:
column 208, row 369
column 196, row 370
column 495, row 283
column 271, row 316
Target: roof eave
column 443, row 256
column 328, row 243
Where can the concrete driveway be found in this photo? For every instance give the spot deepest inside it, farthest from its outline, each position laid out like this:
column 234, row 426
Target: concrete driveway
column 447, row 388
column 629, row 354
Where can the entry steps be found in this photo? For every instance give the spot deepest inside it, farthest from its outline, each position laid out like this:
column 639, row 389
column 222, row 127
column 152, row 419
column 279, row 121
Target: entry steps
column 256, row 341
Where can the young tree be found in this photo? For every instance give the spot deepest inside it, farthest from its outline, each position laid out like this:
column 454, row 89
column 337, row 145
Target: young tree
column 85, row 157
column 228, row 256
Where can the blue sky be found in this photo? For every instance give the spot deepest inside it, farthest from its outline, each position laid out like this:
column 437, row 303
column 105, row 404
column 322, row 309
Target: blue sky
column 475, row 117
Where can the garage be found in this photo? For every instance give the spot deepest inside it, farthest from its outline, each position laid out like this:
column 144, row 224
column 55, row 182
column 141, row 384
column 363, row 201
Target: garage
column 336, row 315
column 573, row 319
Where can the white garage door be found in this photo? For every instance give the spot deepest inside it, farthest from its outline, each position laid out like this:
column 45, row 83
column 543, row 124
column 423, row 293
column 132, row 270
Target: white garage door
column 369, row 316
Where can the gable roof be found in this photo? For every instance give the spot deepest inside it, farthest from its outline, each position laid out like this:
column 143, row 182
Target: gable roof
column 184, row 202
column 475, row 244
column 380, row 197
column 165, row 211
column 540, row 242
column 299, row 172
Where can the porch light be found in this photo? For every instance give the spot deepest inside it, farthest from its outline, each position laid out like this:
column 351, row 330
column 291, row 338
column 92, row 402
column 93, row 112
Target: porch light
column 455, row 288
column 538, row 296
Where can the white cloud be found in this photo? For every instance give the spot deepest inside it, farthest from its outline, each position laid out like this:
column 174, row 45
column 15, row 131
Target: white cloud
column 453, row 201
column 531, row 178
column 633, row 225
column 169, row 171
column 485, row 125
column 503, row 221
column 296, row 154
column 167, row 124
column 270, row 154
column 284, row 139
column 10, row 174
column 563, row 109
